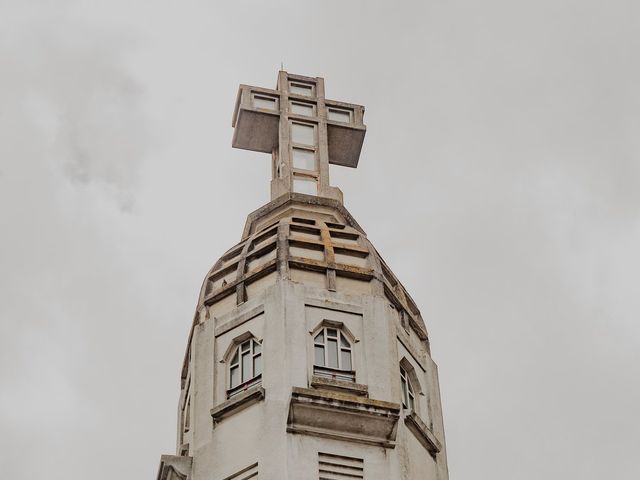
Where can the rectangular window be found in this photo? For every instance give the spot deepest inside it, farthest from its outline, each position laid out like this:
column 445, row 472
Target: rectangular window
column 235, row 376
column 345, row 359
column 308, row 186
column 319, row 355
column 306, row 109
column 338, row 115
column 332, row 356
column 246, row 367
column 187, row 415
column 257, row 365
column 304, row 159
column 303, row 134
column 265, row 103
column 300, row 88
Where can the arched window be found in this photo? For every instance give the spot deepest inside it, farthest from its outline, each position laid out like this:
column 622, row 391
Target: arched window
column 332, row 351
column 408, row 394
column 245, row 367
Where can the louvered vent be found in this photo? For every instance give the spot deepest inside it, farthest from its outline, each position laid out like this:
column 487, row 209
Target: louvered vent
column 246, row 473
column 338, row 467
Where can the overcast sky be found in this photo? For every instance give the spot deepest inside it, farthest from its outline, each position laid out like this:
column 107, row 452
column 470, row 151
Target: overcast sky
column 500, row 179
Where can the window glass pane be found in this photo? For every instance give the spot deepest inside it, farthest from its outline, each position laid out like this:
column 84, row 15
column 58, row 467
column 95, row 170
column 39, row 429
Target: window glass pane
column 302, row 134
column 234, row 360
column 411, row 403
column 245, row 346
column 332, row 353
column 246, row 367
column 319, row 356
column 343, row 116
column 302, row 109
column 265, row 103
column 257, row 365
column 257, row 348
column 404, row 391
column 303, row 185
column 304, row 159
column 332, row 332
column 235, row 377
column 319, row 337
column 343, row 341
column 301, row 89
column 345, row 359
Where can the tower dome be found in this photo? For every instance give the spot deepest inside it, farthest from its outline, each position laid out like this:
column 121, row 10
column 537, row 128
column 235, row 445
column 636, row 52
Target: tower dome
column 309, row 240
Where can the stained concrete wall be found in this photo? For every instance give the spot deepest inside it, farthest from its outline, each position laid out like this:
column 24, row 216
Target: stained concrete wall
column 258, row 433
column 324, row 269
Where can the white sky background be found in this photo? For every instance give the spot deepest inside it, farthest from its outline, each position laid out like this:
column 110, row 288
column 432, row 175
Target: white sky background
column 500, row 179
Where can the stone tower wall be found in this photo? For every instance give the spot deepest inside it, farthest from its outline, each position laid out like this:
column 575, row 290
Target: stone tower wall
column 304, row 264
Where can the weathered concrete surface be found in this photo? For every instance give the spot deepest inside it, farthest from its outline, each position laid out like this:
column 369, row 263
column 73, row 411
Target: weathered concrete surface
column 294, row 415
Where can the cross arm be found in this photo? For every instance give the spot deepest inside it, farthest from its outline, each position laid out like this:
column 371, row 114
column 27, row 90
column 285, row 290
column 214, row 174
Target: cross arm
column 255, row 119
column 345, row 131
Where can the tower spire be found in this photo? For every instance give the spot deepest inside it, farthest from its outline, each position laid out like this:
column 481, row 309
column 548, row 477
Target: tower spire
column 303, row 131
column 307, row 358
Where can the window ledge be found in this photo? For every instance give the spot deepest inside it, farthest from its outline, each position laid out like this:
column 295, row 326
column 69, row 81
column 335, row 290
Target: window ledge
column 340, row 385
column 423, row 433
column 237, row 403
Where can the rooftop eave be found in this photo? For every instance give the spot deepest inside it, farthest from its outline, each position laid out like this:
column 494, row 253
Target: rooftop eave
column 293, row 199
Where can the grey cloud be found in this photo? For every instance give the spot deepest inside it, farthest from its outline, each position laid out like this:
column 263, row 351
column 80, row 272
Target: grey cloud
column 499, row 179
column 71, row 82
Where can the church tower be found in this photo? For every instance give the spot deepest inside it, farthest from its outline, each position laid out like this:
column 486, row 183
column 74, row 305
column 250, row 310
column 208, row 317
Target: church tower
column 307, row 358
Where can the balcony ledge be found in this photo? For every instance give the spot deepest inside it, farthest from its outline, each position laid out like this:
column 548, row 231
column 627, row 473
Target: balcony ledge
column 343, row 416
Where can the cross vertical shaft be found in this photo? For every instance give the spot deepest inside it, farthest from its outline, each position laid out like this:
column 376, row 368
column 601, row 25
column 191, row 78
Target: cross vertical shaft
column 303, row 131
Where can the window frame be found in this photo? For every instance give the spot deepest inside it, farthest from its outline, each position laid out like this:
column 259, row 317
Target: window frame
column 307, row 124
column 407, row 389
column 293, row 103
column 297, row 169
column 237, row 359
column 340, row 112
column 302, row 86
column 186, row 409
column 341, row 338
column 256, row 97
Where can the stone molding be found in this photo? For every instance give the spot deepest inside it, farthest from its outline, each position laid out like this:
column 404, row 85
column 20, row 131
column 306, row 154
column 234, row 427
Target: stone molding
column 235, row 319
column 237, row 403
column 291, row 199
column 333, row 305
column 343, row 416
column 423, row 433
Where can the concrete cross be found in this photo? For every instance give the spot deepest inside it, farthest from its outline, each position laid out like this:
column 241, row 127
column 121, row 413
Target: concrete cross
column 302, row 130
